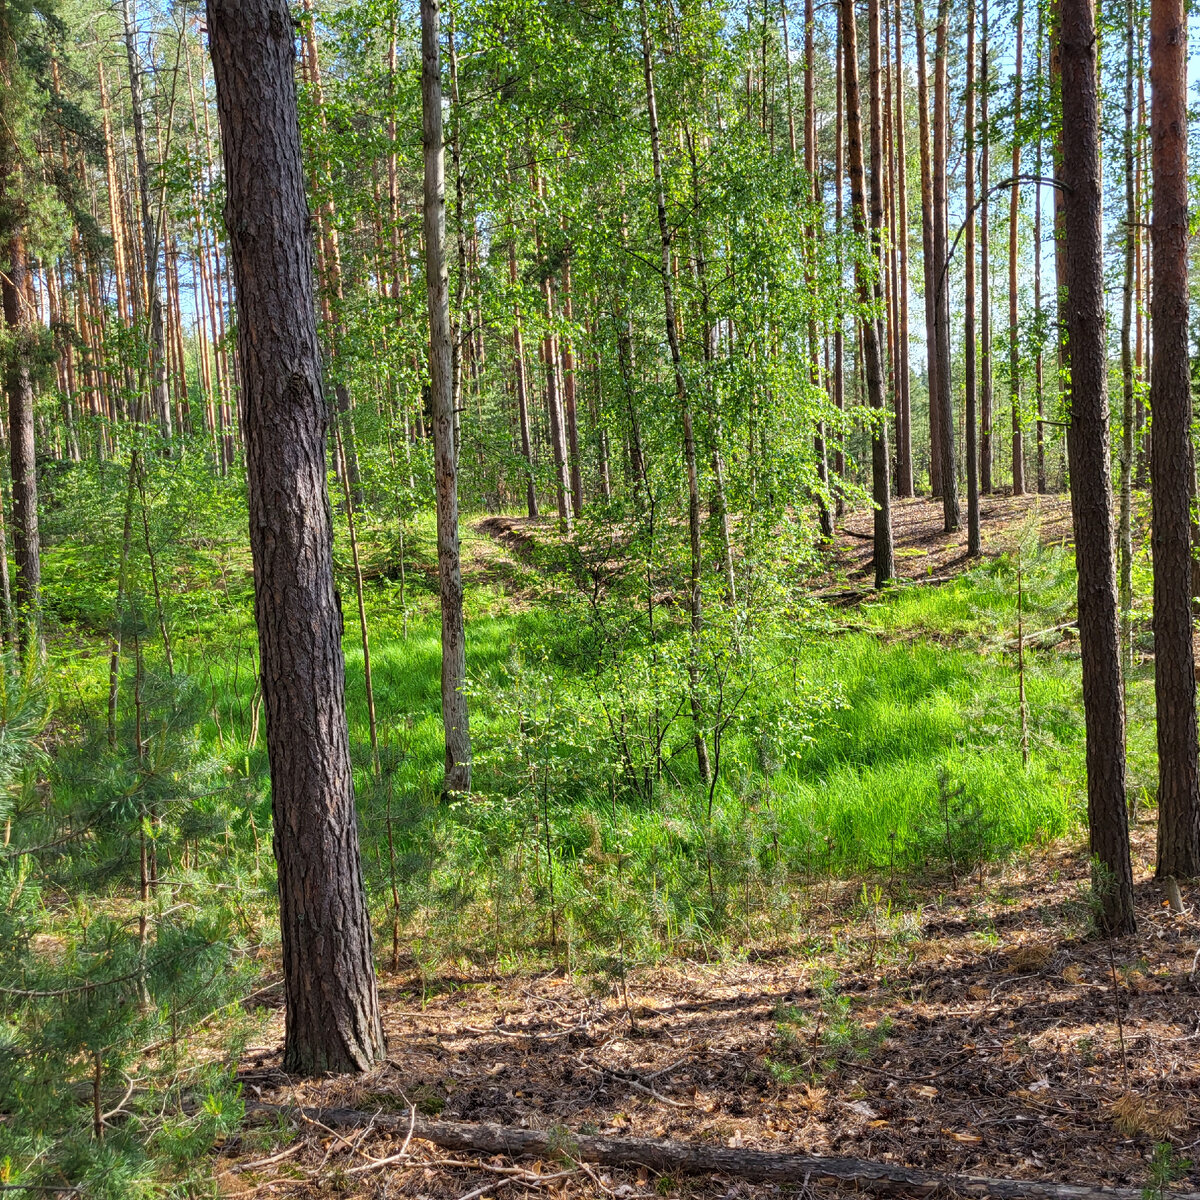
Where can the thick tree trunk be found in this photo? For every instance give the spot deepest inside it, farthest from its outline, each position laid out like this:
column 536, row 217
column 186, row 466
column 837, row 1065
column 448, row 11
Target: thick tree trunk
column 1091, row 477
column 445, row 452
column 869, row 295
column 1172, row 472
column 973, row 546
column 332, row 1021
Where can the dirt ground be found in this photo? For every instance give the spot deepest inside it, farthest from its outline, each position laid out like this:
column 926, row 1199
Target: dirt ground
column 922, row 547
column 989, row 1034
column 1003, row 1053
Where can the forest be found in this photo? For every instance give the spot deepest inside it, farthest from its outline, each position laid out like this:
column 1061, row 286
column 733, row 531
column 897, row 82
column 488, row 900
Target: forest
column 598, row 599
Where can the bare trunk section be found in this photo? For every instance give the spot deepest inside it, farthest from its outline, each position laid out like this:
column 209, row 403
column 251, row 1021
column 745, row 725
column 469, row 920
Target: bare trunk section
column 868, row 294
column 969, row 382
column 1172, row 471
column 985, row 270
column 941, row 243
column 332, row 1021
column 1014, row 212
column 929, row 255
column 454, row 642
column 1091, row 476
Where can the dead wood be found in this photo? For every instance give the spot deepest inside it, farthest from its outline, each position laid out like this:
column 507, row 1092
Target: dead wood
column 667, row 1157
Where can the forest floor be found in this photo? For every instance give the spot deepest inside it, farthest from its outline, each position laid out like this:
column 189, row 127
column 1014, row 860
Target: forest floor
column 968, row 1026
column 968, row 1030
column 925, row 552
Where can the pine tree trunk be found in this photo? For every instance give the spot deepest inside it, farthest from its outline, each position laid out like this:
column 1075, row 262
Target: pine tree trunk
column 1172, row 472
column 969, row 382
column 1014, row 211
column 868, row 294
column 929, row 255
column 1091, row 477
column 160, row 399
column 1125, row 521
column 941, row 246
column 454, row 644
column 332, row 1021
column 905, row 469
column 985, row 271
column 27, row 596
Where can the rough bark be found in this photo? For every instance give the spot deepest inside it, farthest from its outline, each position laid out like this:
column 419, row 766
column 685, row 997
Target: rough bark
column 445, row 452
column 1171, row 466
column 1091, row 475
column 332, row 1021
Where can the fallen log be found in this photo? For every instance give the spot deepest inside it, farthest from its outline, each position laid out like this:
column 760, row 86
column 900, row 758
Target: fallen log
column 679, row 1158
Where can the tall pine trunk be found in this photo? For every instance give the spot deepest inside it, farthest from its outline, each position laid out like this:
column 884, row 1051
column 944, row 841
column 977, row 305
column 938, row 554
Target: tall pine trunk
column 969, row 382
column 941, row 246
column 332, row 1018
column 1172, row 471
column 868, row 292
column 1014, row 212
column 1091, row 476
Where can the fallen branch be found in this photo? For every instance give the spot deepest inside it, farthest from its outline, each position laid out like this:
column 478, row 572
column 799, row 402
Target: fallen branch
column 881, row 1179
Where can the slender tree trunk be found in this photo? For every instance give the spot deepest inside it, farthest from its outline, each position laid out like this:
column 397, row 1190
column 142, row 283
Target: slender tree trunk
column 1125, row 523
column 569, row 413
column 941, row 243
column 150, row 249
column 684, row 401
column 973, row 543
column 1091, row 478
column 1172, row 472
column 332, row 1019
column 1038, row 364
column 839, row 316
column 522, row 387
column 454, row 642
column 929, row 255
column 1014, row 212
column 868, row 294
column 27, row 595
column 905, row 471
column 985, row 271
